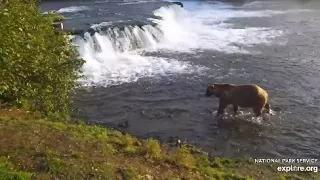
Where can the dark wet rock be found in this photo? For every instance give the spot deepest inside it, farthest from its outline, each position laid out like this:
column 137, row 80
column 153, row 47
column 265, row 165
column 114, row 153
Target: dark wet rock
column 178, row 3
column 104, row 28
column 124, row 125
column 236, row 2
column 40, row 164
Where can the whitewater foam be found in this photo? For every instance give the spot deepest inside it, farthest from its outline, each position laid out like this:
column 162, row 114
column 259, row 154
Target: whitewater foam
column 72, row 9
column 202, row 27
column 107, row 66
column 114, row 56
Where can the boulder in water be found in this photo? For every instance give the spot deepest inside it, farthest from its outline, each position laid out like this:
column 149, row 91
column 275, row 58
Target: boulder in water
column 178, row 3
column 57, row 26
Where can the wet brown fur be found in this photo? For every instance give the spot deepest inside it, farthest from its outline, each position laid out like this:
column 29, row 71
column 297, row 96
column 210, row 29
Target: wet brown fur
column 245, row 96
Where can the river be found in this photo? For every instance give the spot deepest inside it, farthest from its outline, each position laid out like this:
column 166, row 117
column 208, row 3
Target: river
column 150, row 80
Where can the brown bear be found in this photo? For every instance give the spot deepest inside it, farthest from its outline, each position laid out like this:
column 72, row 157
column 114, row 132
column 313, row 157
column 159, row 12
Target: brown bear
column 246, row 96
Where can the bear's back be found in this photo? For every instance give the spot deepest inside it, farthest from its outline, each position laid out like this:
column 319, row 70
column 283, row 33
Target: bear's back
column 248, row 95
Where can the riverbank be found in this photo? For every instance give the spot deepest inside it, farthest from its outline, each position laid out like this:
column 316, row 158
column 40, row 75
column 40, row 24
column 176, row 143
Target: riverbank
column 45, row 149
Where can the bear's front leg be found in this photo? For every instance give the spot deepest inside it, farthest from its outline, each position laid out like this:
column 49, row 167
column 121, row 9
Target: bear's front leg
column 235, row 109
column 222, row 107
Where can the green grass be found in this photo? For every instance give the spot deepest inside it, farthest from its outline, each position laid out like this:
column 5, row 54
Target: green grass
column 182, row 157
column 8, row 173
column 128, row 174
column 42, row 149
column 152, row 149
column 129, row 150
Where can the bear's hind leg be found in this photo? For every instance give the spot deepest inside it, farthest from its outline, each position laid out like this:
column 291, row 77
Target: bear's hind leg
column 257, row 111
column 267, row 108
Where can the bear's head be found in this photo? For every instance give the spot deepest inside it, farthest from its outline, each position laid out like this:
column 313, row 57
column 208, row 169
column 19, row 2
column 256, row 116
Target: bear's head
column 217, row 89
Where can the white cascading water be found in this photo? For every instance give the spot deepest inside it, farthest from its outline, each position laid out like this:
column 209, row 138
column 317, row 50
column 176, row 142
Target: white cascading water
column 112, row 57
column 112, row 60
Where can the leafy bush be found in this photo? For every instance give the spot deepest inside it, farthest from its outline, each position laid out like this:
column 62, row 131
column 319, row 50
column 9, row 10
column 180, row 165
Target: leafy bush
column 39, row 66
column 54, row 17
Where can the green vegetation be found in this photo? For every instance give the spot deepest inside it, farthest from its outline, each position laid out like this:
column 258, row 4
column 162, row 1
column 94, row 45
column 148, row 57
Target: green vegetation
column 38, row 74
column 53, row 17
column 151, row 149
column 182, row 157
column 7, row 173
column 43, row 149
column 39, row 67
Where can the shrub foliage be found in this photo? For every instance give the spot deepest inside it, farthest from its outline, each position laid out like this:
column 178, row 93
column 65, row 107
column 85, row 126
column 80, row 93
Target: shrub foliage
column 39, row 66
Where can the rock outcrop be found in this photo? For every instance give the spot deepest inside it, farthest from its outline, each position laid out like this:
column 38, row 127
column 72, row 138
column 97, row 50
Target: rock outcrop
column 178, row 3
